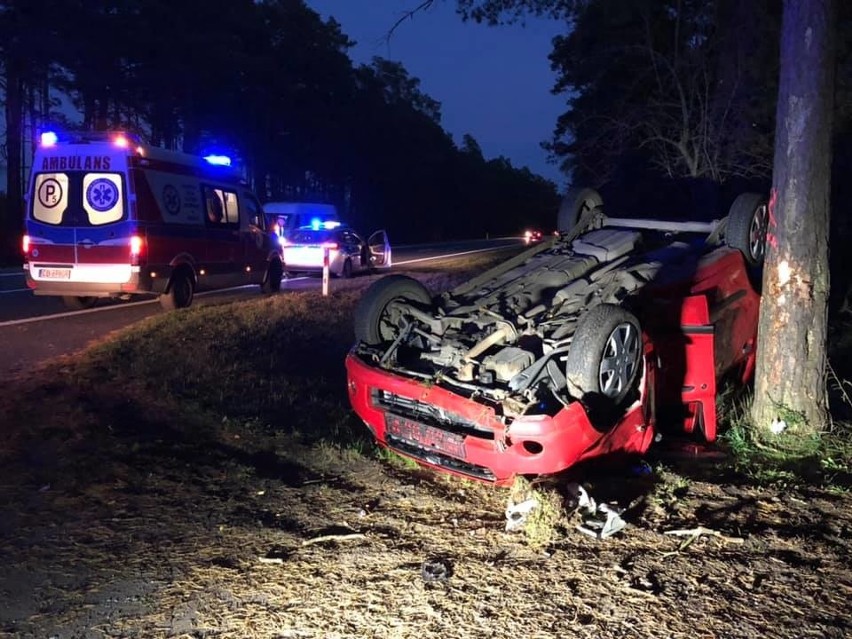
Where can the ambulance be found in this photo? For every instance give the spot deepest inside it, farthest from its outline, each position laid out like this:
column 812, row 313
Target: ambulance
column 110, row 217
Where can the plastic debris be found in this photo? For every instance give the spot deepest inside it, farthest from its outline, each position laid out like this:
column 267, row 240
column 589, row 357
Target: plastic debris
column 599, row 520
column 517, row 514
column 436, row 570
column 777, row 426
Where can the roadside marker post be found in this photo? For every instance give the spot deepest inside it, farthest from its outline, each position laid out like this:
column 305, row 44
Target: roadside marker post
column 325, row 271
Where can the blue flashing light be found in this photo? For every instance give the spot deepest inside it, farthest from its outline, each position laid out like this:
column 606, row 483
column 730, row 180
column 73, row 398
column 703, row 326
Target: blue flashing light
column 330, row 225
column 315, row 223
column 218, row 160
column 49, row 138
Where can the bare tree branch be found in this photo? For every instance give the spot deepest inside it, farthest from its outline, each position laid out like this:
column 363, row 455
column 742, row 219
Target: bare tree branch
column 408, row 14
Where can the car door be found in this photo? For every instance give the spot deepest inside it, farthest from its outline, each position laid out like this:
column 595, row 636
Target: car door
column 355, row 248
column 380, row 250
column 256, row 239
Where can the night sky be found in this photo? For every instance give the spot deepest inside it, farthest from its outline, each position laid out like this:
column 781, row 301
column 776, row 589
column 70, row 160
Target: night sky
column 492, row 82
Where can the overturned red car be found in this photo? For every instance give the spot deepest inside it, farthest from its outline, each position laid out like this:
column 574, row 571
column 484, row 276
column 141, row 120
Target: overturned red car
column 582, row 346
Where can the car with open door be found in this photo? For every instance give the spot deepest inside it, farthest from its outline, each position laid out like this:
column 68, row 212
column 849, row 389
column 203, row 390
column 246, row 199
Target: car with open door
column 349, row 252
column 584, row 345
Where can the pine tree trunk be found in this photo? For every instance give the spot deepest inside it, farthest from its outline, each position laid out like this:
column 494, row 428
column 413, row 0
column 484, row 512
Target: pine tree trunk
column 14, row 142
column 790, row 387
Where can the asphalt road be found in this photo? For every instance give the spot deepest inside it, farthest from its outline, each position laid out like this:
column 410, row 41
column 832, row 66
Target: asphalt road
column 36, row 329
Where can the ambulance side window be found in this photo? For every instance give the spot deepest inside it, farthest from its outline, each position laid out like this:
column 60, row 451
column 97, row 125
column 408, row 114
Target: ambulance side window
column 232, row 211
column 252, row 211
column 221, row 206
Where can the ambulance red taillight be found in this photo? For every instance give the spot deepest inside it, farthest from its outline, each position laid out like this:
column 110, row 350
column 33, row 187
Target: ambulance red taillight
column 136, row 248
column 25, row 246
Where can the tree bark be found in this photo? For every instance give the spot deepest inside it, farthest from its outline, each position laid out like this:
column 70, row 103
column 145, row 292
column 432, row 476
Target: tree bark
column 14, row 151
column 790, row 386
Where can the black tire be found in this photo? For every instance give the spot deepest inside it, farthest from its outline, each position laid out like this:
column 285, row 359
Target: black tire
column 607, row 337
column 748, row 222
column 78, row 303
column 180, row 292
column 575, row 203
column 373, row 325
column 272, row 279
column 346, row 271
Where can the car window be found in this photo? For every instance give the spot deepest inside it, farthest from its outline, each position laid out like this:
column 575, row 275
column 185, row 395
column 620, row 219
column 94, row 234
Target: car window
column 310, row 236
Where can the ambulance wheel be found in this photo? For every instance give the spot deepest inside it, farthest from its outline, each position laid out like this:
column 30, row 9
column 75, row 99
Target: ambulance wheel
column 77, row 303
column 180, row 291
column 272, row 281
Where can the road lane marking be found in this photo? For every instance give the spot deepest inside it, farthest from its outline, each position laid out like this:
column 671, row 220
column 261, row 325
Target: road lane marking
column 15, row 290
column 21, row 274
column 40, row 318
column 438, row 257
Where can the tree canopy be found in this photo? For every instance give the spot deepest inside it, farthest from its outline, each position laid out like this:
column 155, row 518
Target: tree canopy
column 269, row 81
column 677, row 88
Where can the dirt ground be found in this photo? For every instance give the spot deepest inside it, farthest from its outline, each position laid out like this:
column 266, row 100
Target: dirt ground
column 129, row 518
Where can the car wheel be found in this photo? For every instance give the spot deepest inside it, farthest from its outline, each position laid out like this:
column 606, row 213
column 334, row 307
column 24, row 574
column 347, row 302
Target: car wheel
column 180, row 292
column 272, row 281
column 575, row 203
column 346, row 271
column 748, row 223
column 603, row 363
column 375, row 319
column 78, row 303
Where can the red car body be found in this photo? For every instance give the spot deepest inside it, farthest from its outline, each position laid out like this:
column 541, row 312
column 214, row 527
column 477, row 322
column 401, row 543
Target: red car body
column 698, row 324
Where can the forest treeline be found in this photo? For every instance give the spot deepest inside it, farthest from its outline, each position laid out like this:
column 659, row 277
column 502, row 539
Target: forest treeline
column 270, row 82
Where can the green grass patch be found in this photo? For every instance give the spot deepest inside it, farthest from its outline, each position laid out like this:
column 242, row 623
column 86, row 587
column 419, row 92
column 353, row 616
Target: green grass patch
column 201, row 376
column 823, row 459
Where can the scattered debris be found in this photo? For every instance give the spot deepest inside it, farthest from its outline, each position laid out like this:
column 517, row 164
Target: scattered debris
column 694, row 533
column 517, row 514
column 539, row 513
column 343, row 537
column 599, row 520
column 271, row 560
column 602, row 522
column 777, row 426
column 436, row 569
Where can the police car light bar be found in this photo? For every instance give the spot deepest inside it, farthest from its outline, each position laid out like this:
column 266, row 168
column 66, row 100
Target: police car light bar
column 218, row 160
column 49, row 138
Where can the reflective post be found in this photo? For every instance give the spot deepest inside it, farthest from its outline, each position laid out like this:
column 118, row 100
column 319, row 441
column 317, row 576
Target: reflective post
column 325, row 252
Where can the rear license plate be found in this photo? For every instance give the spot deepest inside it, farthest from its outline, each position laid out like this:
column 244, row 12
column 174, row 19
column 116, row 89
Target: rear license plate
column 427, row 437
column 55, row 273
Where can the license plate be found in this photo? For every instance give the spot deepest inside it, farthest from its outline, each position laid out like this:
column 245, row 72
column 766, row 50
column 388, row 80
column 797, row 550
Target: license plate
column 427, row 437
column 55, row 273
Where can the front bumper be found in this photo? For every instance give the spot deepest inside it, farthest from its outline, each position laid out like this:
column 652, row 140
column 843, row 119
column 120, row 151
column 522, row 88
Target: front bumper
column 449, row 432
